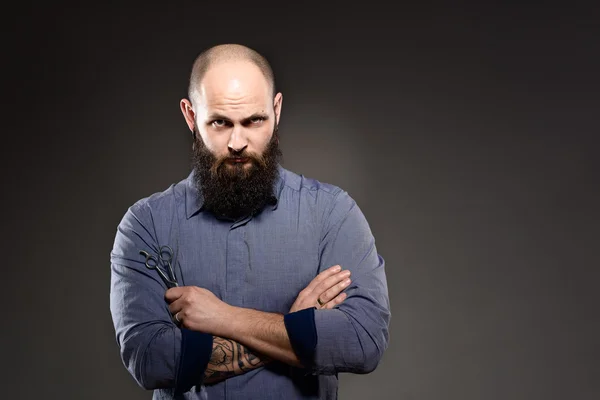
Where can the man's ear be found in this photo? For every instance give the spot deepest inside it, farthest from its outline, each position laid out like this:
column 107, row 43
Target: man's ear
column 188, row 114
column 277, row 104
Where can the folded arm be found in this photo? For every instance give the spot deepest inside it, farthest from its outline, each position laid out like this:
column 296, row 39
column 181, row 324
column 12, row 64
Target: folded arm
column 198, row 309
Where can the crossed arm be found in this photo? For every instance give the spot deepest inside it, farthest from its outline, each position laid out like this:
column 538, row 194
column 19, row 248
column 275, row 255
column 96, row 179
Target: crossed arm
column 237, row 330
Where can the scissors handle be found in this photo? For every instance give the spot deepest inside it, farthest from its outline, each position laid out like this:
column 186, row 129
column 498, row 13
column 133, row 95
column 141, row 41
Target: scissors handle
column 152, row 263
column 166, row 253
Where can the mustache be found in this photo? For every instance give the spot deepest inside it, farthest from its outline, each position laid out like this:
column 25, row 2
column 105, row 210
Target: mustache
column 257, row 159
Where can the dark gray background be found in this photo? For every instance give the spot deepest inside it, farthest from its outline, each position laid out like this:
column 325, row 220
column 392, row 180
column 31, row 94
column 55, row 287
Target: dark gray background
column 468, row 136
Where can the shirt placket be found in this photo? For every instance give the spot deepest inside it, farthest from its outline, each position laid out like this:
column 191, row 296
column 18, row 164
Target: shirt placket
column 237, row 259
column 237, row 263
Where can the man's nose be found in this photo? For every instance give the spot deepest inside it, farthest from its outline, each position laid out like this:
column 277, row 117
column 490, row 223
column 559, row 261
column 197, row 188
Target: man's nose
column 238, row 140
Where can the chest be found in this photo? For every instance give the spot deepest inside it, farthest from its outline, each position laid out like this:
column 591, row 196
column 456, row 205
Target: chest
column 260, row 263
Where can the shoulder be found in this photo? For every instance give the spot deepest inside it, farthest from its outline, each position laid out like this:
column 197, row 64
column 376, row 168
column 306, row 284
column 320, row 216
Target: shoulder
column 156, row 204
column 309, row 186
column 329, row 198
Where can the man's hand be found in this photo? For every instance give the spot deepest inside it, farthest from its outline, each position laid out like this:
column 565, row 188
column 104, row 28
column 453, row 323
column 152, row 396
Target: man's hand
column 324, row 291
column 197, row 309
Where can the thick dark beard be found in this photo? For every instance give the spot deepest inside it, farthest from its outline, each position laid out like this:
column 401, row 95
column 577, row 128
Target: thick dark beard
column 236, row 192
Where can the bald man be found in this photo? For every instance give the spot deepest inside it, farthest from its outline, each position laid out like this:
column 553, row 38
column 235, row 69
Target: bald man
column 268, row 283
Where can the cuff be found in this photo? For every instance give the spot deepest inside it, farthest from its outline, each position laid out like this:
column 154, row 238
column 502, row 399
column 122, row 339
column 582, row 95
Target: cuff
column 196, row 350
column 301, row 330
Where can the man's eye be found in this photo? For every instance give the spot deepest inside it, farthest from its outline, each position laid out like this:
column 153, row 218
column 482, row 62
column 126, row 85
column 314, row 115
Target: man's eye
column 257, row 120
column 219, row 123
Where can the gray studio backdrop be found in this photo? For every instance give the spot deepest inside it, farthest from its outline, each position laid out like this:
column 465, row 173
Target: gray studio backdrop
column 467, row 137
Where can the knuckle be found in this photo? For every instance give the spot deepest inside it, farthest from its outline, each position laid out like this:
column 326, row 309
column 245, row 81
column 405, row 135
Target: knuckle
column 322, row 288
column 333, row 280
column 301, row 297
column 328, row 288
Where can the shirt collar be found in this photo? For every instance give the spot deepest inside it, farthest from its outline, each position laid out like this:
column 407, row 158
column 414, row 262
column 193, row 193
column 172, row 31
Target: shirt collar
column 194, row 200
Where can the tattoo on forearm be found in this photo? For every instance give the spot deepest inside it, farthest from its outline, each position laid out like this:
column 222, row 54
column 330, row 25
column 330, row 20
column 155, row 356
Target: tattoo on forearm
column 230, row 358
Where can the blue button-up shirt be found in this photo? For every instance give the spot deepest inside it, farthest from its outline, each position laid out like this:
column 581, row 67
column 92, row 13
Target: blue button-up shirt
column 261, row 262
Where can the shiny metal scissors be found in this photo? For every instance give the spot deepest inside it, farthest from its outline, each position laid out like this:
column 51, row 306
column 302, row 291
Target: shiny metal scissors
column 165, row 256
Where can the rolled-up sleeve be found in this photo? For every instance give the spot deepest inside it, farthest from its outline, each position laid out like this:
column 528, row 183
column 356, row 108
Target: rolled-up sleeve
column 155, row 351
column 353, row 336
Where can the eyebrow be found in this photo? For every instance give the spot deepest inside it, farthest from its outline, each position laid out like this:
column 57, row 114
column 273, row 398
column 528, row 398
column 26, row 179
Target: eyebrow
column 217, row 116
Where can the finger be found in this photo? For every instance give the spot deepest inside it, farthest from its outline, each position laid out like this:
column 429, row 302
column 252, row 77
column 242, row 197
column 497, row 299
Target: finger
column 331, row 281
column 337, row 300
column 323, row 275
column 176, row 306
column 335, row 290
column 174, row 293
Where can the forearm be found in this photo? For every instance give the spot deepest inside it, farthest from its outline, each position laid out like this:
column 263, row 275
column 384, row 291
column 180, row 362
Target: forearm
column 262, row 332
column 230, row 358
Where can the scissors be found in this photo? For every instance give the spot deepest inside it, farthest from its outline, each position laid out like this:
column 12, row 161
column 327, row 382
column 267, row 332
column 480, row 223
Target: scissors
column 165, row 256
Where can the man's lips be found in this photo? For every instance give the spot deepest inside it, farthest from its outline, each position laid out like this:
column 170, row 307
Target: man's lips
column 237, row 160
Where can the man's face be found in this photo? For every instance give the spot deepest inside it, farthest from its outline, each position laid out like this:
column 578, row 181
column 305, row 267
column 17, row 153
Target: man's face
column 235, row 114
column 236, row 148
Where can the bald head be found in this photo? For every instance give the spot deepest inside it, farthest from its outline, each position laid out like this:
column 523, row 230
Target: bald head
column 230, row 54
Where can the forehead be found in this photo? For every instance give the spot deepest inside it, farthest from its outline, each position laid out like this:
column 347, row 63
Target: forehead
column 233, row 85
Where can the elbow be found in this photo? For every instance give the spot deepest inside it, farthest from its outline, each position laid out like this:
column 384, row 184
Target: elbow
column 362, row 361
column 370, row 360
column 147, row 377
column 146, row 382
column 372, row 353
column 361, row 358
column 150, row 383
column 156, row 369
column 349, row 344
column 149, row 367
